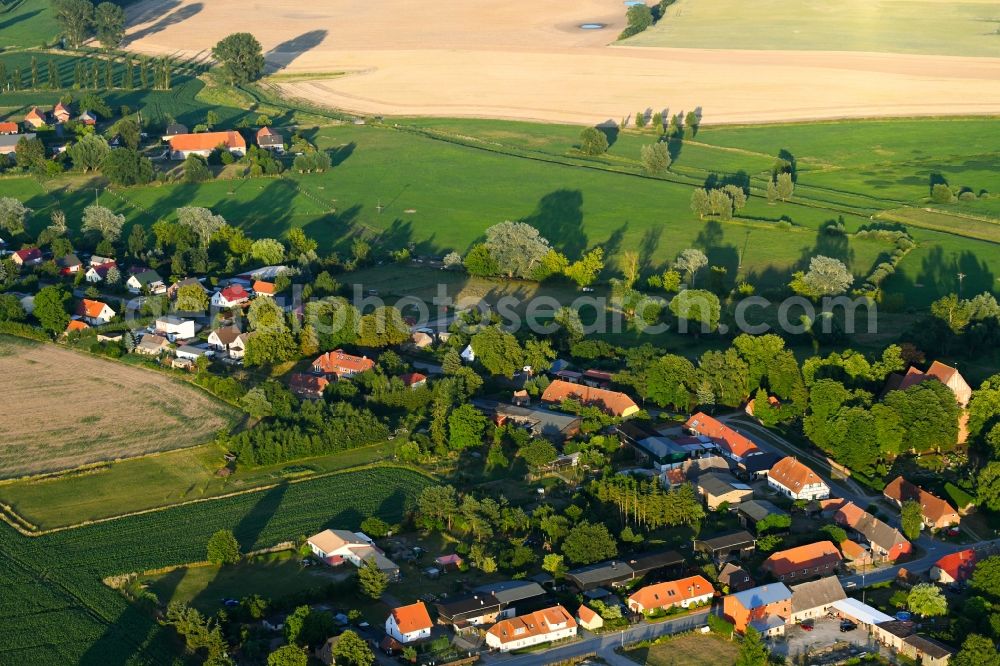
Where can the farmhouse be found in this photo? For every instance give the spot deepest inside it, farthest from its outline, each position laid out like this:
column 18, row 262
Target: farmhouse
column 28, row 257
column 815, row 598
column 801, row 562
column 182, row 145
column 887, row 543
column 937, row 513
column 408, row 624
column 335, row 547
column 232, row 296
column 268, row 139
column 683, row 593
column 95, row 313
column 36, row 118
column 9, row 128
column 341, row 365
column 955, row 567
column 793, row 479
column 145, row 279
column 719, row 489
column 307, row 386
column 732, row 444
column 544, row 626
column 766, row 608
column 61, row 113
column 612, row 402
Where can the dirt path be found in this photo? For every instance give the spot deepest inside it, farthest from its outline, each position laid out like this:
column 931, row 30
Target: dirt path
column 526, row 60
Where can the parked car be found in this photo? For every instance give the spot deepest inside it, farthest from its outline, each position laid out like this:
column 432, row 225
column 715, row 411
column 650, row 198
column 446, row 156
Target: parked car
column 847, row 625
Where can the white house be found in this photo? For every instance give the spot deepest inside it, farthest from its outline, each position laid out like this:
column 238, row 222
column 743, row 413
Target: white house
column 229, row 339
column 335, row 547
column 793, row 479
column 99, row 272
column 544, row 626
column 95, row 313
column 231, row 296
column 408, row 624
column 148, row 279
column 175, row 328
column 191, row 353
column 683, row 593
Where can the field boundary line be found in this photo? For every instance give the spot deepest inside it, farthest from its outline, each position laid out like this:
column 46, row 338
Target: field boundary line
column 14, row 519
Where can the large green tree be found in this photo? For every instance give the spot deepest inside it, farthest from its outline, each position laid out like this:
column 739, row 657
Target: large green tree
column 75, row 19
column 911, row 519
column 371, row 580
column 589, row 542
column 927, row 599
column 516, row 247
column 51, row 308
column 13, row 213
column 288, row 655
column 109, row 24
column 126, row 166
column 977, row 651
column 498, row 351
column 352, row 650
column 466, row 425
column 752, row 652
column 241, row 56
column 89, row 153
column 223, row 548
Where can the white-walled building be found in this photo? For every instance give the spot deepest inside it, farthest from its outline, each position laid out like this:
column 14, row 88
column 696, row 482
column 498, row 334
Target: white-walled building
column 544, row 626
column 793, row 479
column 408, row 624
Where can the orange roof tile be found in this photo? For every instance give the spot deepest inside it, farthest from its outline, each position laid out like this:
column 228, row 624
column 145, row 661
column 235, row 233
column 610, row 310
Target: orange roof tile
column 852, row 550
column 207, row 141
column 738, row 444
column 412, row 618
column 671, row 592
column 338, row 363
column 792, row 474
column 89, row 308
column 262, row 287
column 613, row 402
column 810, row 555
column 77, row 325
column 586, row 614
column 934, row 508
column 8, row 128
column 958, row 565
column 532, row 624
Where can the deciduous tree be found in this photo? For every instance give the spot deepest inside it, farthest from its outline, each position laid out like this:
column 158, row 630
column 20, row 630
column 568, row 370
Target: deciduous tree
column 223, row 548
column 241, row 56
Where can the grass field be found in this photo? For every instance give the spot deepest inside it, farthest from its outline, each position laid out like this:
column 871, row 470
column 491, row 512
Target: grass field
column 73, row 409
column 27, row 23
column 55, row 609
column 155, row 481
column 272, row 576
column 687, row 650
column 967, row 28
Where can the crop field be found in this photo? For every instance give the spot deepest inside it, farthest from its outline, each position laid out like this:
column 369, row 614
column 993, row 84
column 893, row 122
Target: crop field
column 155, row 481
column 966, row 27
column 74, row 409
column 26, row 23
column 55, row 609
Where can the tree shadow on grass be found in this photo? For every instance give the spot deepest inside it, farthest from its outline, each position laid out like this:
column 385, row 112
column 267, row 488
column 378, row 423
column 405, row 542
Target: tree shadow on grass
column 559, row 218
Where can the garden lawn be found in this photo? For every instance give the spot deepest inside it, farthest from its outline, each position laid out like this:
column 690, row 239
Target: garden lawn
column 687, row 650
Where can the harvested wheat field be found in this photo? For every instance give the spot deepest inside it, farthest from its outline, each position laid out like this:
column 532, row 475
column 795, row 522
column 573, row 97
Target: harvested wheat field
column 531, row 60
column 63, row 409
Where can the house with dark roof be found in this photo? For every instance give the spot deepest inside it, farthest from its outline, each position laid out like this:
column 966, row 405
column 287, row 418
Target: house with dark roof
column 887, row 543
column 174, row 129
column 753, row 511
column 734, row 578
column 766, row 608
column 269, row 139
column 723, row 547
column 815, row 598
column 471, row 611
column 8, row 142
column 720, row 489
column 937, row 513
column 145, row 279
column 540, row 422
column 600, row 574
column 927, row 651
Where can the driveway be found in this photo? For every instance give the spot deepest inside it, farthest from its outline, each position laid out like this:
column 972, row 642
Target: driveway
column 798, row 643
column 604, row 644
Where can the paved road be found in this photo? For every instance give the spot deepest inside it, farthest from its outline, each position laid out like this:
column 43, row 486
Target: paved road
column 932, row 548
column 604, row 644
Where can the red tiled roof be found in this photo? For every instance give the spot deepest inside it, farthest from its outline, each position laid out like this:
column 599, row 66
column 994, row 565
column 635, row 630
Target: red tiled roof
column 8, row 128
column 586, row 614
column 532, row 624
column 235, row 292
column 412, row 618
column 35, row 114
column 307, row 383
column 958, row 565
column 934, row 508
column 411, row 378
column 89, row 308
column 613, row 402
column 738, row 444
column 207, row 141
column 265, row 131
column 792, row 474
column 672, row 592
column 29, row 254
column 77, row 325
column 337, row 362
column 808, row 556
column 262, row 287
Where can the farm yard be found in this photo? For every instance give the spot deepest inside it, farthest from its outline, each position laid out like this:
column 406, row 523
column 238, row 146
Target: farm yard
column 74, row 409
column 57, row 610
